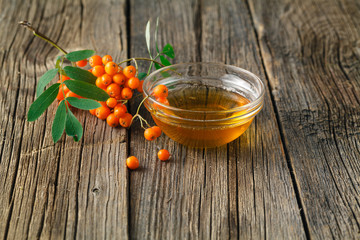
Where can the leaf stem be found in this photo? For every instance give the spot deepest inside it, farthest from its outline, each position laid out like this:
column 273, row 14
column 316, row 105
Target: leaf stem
column 28, row 26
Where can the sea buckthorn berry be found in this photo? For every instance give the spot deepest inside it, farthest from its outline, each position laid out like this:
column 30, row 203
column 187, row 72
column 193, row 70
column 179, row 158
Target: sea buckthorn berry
column 163, row 101
column 163, row 155
column 125, row 120
column 129, row 71
column 92, row 111
column 81, row 63
column 106, row 59
column 64, row 78
column 140, row 87
column 95, row 61
column 112, row 120
column 126, row 93
column 106, row 79
column 100, row 84
column 157, row 131
column 63, row 89
column 120, row 110
column 113, row 90
column 111, row 102
column 119, row 78
column 72, row 94
column 161, row 91
column 132, row 162
column 111, row 68
column 98, row 71
column 149, row 134
column 103, row 104
column 102, row 112
column 133, row 83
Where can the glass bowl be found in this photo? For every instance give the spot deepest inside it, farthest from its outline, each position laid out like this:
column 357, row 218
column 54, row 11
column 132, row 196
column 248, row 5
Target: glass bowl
column 209, row 104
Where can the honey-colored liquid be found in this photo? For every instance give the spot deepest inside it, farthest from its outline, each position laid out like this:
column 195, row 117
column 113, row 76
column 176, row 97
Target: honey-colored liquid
column 207, row 130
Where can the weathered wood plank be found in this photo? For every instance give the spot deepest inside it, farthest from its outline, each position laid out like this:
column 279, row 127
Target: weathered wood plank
column 68, row 189
column 243, row 190
column 311, row 54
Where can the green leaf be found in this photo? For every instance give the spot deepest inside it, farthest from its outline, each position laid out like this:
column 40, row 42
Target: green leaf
column 164, row 61
column 80, row 74
column 156, row 30
column 58, row 125
column 168, row 50
column 157, row 66
column 82, row 103
column 147, row 36
column 79, row 55
column 142, row 75
column 43, row 102
column 73, row 127
column 87, row 90
column 44, row 80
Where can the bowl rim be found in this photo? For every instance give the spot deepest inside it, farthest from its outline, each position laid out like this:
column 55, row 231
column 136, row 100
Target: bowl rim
column 249, row 106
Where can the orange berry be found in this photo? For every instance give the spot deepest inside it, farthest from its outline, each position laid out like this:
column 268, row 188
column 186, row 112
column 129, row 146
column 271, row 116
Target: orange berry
column 95, row 61
column 129, row 71
column 163, row 155
column 103, row 104
column 149, row 134
column 72, row 94
column 125, row 121
column 111, row 68
column 157, row 131
column 98, row 71
column 92, row 111
column 120, row 110
column 81, row 63
column 106, row 79
column 119, row 78
column 112, row 120
column 140, row 87
column 111, row 102
column 134, row 83
column 64, row 78
column 102, row 112
column 113, row 90
column 106, row 59
column 100, row 84
column 160, row 91
column 62, row 89
column 126, row 93
column 132, row 162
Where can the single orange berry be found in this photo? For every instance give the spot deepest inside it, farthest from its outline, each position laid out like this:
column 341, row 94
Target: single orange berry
column 134, row 83
column 140, row 87
column 160, row 91
column 64, row 78
column 119, row 78
column 62, row 89
column 149, row 134
column 129, row 71
column 72, row 94
column 98, row 71
column 112, row 120
column 157, row 131
column 120, row 110
column 111, row 68
column 81, row 63
column 102, row 112
column 100, row 84
column 92, row 111
column 106, row 59
column 126, row 93
column 113, row 90
column 125, row 121
column 163, row 155
column 111, row 102
column 95, row 61
column 106, row 79
column 132, row 162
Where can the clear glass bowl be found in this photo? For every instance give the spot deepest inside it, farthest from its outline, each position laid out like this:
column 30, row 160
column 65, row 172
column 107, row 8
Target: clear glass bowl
column 210, row 104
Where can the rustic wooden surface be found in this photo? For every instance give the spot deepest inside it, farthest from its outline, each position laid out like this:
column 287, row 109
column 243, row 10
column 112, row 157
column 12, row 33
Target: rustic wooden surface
column 294, row 174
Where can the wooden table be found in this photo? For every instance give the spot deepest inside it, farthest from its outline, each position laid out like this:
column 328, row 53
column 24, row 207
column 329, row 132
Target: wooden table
column 294, row 174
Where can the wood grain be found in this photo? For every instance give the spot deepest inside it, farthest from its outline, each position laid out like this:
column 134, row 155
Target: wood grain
column 64, row 190
column 235, row 191
column 311, row 55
